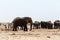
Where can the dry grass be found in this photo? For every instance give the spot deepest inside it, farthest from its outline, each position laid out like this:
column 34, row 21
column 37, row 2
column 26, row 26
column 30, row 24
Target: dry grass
column 36, row 34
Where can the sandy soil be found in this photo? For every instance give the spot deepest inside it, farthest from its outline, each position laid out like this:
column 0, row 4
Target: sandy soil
column 36, row 34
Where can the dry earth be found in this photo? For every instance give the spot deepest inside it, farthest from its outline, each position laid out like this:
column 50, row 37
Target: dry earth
column 36, row 34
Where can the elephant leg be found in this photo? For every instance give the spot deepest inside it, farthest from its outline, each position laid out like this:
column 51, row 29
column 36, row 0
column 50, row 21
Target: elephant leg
column 15, row 28
column 25, row 28
column 30, row 27
column 33, row 27
column 37, row 27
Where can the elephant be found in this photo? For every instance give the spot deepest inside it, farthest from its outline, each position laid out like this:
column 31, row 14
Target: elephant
column 57, row 24
column 0, row 24
column 47, row 25
column 50, row 25
column 43, row 24
column 36, row 25
column 22, row 22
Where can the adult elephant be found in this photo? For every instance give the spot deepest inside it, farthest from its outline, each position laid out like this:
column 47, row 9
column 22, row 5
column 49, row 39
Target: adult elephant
column 57, row 24
column 22, row 22
column 48, row 24
column 36, row 25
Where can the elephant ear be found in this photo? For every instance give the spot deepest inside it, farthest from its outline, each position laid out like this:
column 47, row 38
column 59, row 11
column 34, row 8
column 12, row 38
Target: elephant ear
column 15, row 19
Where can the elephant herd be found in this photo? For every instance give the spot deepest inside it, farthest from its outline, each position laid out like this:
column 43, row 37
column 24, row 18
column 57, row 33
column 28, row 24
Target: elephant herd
column 22, row 22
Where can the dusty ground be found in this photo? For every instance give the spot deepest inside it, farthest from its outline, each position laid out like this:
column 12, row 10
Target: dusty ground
column 37, row 34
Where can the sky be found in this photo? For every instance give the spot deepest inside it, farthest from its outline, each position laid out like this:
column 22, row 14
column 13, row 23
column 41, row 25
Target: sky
column 38, row 10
